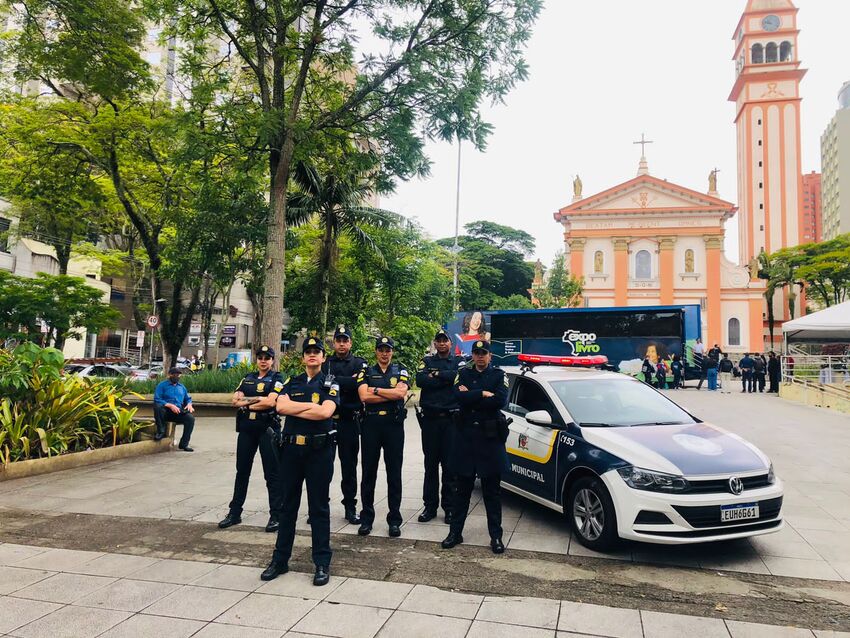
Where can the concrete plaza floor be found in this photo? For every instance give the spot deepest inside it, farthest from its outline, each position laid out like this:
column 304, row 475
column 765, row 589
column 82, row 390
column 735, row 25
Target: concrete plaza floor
column 808, row 445
column 59, row 593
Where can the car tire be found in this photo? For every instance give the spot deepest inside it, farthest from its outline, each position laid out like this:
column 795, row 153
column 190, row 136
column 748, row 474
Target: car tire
column 598, row 531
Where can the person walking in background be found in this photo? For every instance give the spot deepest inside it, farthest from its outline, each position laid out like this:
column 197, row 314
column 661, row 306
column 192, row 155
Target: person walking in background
column 677, row 369
column 724, row 369
column 774, row 368
column 715, row 352
column 705, row 364
column 759, row 371
column 661, row 375
column 711, row 372
column 171, row 402
column 648, row 371
column 746, row 366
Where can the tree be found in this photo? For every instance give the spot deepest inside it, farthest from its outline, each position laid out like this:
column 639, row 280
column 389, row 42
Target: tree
column 765, row 271
column 502, row 237
column 432, row 65
column 336, row 199
column 822, row 269
column 562, row 289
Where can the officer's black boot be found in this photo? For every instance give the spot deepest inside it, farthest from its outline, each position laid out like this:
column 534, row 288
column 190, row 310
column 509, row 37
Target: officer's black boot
column 497, row 546
column 427, row 515
column 351, row 515
column 273, row 525
column 230, row 520
column 274, row 570
column 321, row 576
column 451, row 540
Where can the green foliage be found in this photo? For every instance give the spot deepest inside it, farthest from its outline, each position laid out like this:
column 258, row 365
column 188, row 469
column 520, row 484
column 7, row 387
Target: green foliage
column 822, row 269
column 53, row 414
column 562, row 289
column 212, row 381
column 502, row 237
column 412, row 336
column 514, row 302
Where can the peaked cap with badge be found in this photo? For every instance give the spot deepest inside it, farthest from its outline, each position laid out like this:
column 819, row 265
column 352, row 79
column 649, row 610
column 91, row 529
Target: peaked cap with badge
column 481, row 345
column 385, row 342
column 442, row 334
column 266, row 350
column 342, row 331
column 313, row 342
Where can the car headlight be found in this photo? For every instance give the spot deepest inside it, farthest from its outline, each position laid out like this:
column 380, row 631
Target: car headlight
column 641, row 479
column 771, row 477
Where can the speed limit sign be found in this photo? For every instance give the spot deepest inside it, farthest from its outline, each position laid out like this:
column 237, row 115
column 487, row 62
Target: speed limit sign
column 153, row 321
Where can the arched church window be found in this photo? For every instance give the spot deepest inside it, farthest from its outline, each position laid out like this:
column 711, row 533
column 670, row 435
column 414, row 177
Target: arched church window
column 643, row 265
column 758, row 54
column 734, row 332
column 598, row 262
column 785, row 51
column 689, row 260
column 771, row 52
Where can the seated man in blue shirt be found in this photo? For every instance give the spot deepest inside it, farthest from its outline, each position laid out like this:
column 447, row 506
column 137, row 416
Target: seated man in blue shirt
column 171, row 402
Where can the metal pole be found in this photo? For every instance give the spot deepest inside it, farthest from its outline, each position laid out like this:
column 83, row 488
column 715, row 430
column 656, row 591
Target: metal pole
column 455, row 248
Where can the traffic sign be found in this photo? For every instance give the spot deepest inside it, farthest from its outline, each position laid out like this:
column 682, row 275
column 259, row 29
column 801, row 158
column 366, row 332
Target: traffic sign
column 153, row 321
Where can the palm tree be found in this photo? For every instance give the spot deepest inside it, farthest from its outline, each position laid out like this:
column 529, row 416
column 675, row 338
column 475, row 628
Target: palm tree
column 337, row 203
column 765, row 271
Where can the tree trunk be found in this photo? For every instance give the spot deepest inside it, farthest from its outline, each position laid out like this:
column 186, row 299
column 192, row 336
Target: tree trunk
column 225, row 312
column 325, row 261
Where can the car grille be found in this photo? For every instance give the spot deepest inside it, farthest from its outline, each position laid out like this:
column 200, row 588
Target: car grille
column 709, row 515
column 721, row 486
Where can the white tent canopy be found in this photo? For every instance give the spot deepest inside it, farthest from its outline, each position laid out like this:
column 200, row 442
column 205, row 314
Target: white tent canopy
column 831, row 323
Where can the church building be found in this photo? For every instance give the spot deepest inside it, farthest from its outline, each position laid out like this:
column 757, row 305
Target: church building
column 647, row 241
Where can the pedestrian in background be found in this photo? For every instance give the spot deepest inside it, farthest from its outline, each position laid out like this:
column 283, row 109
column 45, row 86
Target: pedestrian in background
column 774, row 370
column 705, row 365
column 746, row 365
column 172, row 402
column 308, row 401
column 661, row 375
column 256, row 397
column 648, row 371
column 725, row 368
column 759, row 371
column 711, row 371
column 678, row 371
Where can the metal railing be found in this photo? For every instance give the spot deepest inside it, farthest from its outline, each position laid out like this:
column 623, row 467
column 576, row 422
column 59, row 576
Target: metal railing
column 829, row 374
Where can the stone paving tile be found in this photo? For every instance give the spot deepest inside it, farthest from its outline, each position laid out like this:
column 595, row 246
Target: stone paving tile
column 216, row 630
column 169, row 570
column 11, row 554
column 753, row 630
column 414, row 625
column 196, row 603
column 127, row 595
column 267, row 612
column 64, row 588
column 484, row 629
column 530, row 612
column 770, row 545
column 300, row 585
column 58, row 560
column 596, row 619
column 661, row 625
column 425, row 531
column 819, row 633
column 577, row 549
column 800, row 568
column 16, row 612
column 72, row 622
column 231, row 577
column 117, row 565
column 343, row 621
column 428, row 600
column 144, row 626
column 552, row 543
column 15, row 578
column 357, row 591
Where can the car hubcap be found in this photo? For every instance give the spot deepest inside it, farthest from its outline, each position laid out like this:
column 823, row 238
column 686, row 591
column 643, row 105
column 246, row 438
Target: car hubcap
column 589, row 514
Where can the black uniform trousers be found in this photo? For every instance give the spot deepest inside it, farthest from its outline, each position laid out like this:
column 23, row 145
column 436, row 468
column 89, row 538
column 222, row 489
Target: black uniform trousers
column 381, row 433
column 250, row 439
column 747, row 381
column 491, row 488
column 161, row 415
column 301, row 464
column 759, row 381
column 437, row 435
column 774, row 381
column 348, row 447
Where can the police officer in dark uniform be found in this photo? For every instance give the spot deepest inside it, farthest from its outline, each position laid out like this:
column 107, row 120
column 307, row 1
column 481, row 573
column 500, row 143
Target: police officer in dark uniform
column 382, row 388
column 255, row 397
column 436, row 376
column 479, row 446
column 345, row 369
column 306, row 456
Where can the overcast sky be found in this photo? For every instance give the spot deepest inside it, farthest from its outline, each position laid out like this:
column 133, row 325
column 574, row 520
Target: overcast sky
column 601, row 73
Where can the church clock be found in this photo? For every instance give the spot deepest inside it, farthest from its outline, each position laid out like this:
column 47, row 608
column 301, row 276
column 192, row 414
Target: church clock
column 770, row 23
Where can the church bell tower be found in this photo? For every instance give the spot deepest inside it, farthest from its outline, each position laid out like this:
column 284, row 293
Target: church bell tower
column 767, row 118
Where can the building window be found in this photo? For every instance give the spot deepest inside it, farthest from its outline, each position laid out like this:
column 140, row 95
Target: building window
column 785, row 51
column 598, row 262
column 758, row 54
column 759, row 121
column 759, row 142
column 734, row 332
column 643, row 265
column 771, row 52
column 759, row 163
column 5, row 225
column 689, row 260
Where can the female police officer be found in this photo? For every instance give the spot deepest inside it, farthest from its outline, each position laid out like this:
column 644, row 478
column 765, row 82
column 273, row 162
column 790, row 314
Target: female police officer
column 255, row 397
column 306, row 455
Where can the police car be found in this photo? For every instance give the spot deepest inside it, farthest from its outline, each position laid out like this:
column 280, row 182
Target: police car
column 622, row 461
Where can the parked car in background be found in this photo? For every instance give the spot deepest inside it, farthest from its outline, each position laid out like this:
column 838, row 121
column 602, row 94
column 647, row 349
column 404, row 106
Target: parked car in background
column 147, row 371
column 98, row 370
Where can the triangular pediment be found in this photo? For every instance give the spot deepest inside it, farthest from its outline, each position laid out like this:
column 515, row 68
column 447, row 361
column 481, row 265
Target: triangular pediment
column 650, row 194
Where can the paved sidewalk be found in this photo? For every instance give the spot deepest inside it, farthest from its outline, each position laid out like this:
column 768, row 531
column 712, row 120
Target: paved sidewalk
column 59, row 593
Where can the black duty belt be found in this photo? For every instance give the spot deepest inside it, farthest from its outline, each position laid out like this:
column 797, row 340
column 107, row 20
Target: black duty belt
column 345, row 413
column 312, row 440
column 381, row 413
column 437, row 414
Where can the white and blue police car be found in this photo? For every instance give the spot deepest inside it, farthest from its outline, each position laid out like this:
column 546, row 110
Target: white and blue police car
column 623, row 461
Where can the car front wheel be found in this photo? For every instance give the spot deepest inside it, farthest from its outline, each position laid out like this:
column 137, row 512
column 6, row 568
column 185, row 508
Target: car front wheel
column 591, row 513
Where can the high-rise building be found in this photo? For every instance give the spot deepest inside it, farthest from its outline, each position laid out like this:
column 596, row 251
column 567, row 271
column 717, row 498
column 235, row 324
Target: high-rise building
column 835, row 165
column 812, row 219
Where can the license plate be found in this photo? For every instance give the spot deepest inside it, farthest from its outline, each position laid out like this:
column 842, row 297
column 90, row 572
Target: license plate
column 739, row 512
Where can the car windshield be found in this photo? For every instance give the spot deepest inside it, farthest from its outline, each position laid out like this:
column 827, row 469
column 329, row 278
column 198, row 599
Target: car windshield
column 617, row 403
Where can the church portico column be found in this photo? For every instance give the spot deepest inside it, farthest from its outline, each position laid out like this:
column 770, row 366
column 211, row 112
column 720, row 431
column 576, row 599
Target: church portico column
column 577, row 255
column 665, row 259
column 713, row 248
column 621, row 271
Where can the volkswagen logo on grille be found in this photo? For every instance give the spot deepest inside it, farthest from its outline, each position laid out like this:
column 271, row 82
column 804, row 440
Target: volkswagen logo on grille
column 736, row 485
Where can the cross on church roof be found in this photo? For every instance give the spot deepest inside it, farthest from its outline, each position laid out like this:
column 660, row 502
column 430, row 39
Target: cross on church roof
column 643, row 142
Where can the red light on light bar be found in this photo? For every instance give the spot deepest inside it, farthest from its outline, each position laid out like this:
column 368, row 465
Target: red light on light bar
column 592, row 360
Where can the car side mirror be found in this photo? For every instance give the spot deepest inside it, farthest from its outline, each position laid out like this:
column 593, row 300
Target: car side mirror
column 539, row 417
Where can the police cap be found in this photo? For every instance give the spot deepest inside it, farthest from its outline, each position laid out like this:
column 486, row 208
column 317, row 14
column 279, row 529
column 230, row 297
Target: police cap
column 342, row 331
column 442, row 334
column 482, row 345
column 265, row 350
column 385, row 342
column 312, row 342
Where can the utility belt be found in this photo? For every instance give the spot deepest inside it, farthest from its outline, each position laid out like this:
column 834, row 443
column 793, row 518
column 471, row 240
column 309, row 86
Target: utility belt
column 311, row 441
column 493, row 428
column 389, row 414
column 250, row 418
column 346, row 414
column 431, row 413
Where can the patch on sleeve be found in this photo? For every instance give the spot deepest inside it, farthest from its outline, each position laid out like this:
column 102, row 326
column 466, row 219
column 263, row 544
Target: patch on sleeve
column 278, row 386
column 403, row 376
column 421, row 366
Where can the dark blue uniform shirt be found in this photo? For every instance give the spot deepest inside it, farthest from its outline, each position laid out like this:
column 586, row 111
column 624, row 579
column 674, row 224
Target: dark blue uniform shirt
column 255, row 385
column 345, row 373
column 374, row 377
column 436, row 376
column 304, row 390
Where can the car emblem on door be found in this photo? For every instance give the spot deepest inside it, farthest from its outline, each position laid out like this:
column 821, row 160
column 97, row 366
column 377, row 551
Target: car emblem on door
column 736, row 485
column 523, row 441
